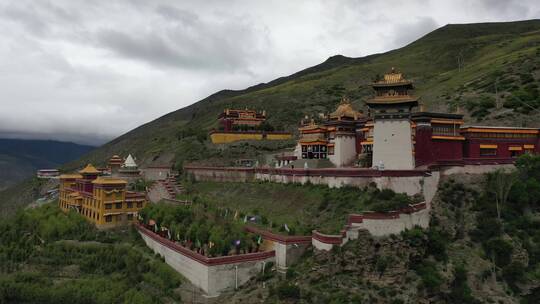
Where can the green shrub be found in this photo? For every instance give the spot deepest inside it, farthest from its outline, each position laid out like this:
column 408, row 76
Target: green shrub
column 513, row 274
column 500, row 250
column 286, row 290
column 460, row 292
column 429, row 275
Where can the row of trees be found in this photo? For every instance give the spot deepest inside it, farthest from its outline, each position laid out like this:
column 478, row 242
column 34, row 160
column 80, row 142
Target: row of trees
column 201, row 228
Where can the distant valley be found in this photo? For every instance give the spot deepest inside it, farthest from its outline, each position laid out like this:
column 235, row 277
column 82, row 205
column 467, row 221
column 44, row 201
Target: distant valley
column 19, row 159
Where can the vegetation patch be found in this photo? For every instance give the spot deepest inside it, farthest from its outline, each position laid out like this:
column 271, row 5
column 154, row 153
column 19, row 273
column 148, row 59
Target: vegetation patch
column 295, row 208
column 47, row 256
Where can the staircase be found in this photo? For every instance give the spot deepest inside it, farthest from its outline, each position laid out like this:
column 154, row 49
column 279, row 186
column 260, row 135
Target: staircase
column 165, row 189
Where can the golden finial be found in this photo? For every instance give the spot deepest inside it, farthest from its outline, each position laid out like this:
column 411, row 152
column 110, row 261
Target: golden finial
column 393, row 70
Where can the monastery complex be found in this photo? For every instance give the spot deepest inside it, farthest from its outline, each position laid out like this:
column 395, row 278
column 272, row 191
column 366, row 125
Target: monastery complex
column 394, row 135
column 395, row 145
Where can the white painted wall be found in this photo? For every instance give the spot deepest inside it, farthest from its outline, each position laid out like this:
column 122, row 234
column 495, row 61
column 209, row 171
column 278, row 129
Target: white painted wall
column 385, row 227
column 392, row 144
column 195, row 272
column 321, row 246
column 344, row 150
column 380, row 227
column 476, row 169
column 287, row 254
column 298, row 151
column 211, row 279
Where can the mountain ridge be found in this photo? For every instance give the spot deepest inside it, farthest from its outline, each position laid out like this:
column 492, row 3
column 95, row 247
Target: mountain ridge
column 20, row 158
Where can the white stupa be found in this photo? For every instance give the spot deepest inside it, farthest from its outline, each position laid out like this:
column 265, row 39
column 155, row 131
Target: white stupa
column 129, row 163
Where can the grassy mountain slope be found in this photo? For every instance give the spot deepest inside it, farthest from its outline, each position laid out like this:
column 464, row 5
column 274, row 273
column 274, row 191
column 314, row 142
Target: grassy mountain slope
column 496, row 82
column 19, row 159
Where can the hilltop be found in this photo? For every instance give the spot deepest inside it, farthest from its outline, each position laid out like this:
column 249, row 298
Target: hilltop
column 490, row 71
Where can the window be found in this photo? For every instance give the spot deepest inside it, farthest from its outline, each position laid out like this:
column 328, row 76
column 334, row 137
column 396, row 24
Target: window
column 488, row 152
column 139, row 205
column 108, row 218
column 130, row 205
column 108, row 206
column 118, row 205
column 130, row 217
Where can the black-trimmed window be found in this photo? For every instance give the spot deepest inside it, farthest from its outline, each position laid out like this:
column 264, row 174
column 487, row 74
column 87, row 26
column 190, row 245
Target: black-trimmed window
column 488, row 151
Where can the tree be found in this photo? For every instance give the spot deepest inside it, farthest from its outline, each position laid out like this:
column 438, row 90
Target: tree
column 499, row 183
column 460, row 290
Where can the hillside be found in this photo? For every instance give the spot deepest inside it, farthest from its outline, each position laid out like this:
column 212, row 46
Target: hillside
column 470, row 253
column 51, row 257
column 490, row 71
column 19, row 159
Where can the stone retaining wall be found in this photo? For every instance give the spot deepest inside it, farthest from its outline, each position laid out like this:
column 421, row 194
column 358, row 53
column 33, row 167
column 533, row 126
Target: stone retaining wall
column 288, row 248
column 212, row 275
column 401, row 181
column 376, row 223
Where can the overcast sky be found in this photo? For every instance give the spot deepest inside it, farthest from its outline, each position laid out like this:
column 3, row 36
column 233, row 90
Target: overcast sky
column 88, row 71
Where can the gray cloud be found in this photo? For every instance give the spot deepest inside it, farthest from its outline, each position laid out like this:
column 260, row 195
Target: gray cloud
column 89, row 71
column 408, row 32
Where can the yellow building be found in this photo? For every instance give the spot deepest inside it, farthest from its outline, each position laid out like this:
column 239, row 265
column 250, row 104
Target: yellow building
column 237, row 125
column 222, row 137
column 103, row 201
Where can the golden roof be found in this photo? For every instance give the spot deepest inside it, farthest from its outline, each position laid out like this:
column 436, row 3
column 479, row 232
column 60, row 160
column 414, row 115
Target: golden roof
column 345, row 110
column 393, row 77
column 115, row 158
column 70, row 176
column 89, row 169
column 312, row 126
column 108, row 181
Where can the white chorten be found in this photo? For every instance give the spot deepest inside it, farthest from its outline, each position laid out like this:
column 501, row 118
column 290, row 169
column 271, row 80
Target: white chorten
column 130, row 162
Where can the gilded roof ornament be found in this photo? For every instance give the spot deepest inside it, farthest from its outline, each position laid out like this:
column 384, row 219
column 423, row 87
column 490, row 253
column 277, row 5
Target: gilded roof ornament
column 89, row 169
column 345, row 110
